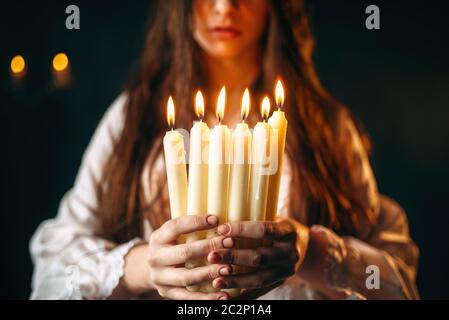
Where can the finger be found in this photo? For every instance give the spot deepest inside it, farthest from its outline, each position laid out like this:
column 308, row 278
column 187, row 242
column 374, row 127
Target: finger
column 177, row 293
column 261, row 257
column 174, row 228
column 254, row 280
column 270, row 230
column 183, row 277
column 181, row 253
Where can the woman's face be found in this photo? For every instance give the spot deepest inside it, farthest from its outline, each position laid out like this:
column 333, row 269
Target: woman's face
column 227, row 28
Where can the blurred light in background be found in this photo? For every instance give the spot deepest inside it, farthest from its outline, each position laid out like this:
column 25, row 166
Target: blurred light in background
column 60, row 62
column 61, row 71
column 18, row 64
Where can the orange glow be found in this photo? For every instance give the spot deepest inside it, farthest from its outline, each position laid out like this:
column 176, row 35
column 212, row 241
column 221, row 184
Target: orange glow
column 280, row 94
column 265, row 109
column 18, row 64
column 221, row 103
column 60, row 62
column 199, row 105
column 171, row 113
column 246, row 104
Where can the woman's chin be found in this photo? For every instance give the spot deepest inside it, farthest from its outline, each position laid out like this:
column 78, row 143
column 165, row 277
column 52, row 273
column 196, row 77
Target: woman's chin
column 224, row 51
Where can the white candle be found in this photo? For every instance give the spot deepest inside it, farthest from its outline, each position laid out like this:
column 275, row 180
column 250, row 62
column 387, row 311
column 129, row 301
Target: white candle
column 260, row 165
column 218, row 180
column 197, row 192
column 199, row 143
column 220, row 140
column 279, row 124
column 239, row 179
column 240, row 167
column 175, row 166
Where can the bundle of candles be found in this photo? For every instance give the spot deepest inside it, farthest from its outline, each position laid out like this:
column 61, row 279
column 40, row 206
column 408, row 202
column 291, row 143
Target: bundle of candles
column 233, row 174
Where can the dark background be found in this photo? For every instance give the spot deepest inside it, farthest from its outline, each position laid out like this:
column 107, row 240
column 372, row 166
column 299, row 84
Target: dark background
column 395, row 80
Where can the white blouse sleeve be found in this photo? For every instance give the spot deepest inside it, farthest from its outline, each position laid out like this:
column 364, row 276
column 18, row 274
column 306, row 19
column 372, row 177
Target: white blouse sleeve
column 70, row 261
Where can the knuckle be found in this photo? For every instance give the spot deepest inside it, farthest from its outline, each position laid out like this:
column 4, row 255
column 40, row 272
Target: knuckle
column 173, row 226
column 240, row 227
column 184, row 280
column 152, row 260
column 212, row 273
column 214, row 244
column 185, row 252
column 198, row 220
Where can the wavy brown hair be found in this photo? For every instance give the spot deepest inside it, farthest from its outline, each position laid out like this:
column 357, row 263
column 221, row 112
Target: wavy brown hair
column 170, row 65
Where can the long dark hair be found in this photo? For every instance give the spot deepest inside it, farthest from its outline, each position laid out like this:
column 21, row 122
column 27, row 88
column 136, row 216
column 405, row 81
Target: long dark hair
column 170, row 66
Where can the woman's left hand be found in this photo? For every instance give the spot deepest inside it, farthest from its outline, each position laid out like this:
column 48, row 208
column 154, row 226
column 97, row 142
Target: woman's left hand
column 273, row 262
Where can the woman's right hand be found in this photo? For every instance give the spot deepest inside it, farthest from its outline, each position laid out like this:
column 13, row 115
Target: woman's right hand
column 167, row 258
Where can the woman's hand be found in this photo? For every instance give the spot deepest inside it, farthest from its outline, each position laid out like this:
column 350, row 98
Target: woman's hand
column 275, row 261
column 166, row 258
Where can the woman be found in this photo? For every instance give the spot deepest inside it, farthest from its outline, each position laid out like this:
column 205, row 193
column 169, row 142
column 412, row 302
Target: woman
column 113, row 236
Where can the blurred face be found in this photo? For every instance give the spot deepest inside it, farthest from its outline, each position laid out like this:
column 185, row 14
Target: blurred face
column 227, row 28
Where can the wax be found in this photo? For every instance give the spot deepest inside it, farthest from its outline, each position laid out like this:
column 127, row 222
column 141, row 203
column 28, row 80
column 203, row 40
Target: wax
column 176, row 173
column 240, row 171
column 260, row 170
column 278, row 123
column 198, row 171
column 217, row 200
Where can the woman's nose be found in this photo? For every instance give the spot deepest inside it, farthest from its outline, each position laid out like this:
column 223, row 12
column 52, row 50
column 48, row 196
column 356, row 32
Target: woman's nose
column 224, row 6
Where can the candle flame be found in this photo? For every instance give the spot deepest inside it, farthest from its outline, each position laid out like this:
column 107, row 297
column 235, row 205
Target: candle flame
column 171, row 113
column 245, row 105
column 265, row 109
column 280, row 94
column 221, row 104
column 199, row 105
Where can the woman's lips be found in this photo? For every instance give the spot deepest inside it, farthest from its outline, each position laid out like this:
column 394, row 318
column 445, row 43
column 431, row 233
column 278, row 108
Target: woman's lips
column 226, row 32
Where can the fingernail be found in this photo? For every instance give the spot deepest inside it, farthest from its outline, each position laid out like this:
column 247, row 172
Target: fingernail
column 212, row 220
column 226, row 271
column 223, row 229
column 228, row 242
column 223, row 298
